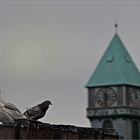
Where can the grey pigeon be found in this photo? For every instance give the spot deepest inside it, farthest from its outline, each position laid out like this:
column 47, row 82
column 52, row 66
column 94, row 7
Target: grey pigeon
column 37, row 111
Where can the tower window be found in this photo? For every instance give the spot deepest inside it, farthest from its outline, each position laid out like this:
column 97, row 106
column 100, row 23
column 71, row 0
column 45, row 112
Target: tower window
column 107, row 124
column 135, row 130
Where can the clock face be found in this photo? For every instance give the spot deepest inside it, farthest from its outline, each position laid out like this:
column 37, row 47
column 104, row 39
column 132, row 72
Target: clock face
column 135, row 97
column 106, row 96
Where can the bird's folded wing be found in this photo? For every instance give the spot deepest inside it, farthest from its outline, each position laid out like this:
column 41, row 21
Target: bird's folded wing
column 33, row 110
column 5, row 117
column 14, row 114
column 11, row 106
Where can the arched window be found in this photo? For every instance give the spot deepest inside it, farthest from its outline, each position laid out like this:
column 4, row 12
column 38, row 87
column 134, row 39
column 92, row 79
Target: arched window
column 107, row 124
column 135, row 130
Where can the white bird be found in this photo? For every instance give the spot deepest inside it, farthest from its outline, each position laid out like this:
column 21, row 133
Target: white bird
column 9, row 112
column 11, row 107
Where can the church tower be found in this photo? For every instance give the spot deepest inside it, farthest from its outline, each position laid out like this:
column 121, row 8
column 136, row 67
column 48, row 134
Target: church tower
column 114, row 92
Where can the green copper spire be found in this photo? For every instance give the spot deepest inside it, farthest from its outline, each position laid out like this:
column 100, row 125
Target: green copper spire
column 116, row 67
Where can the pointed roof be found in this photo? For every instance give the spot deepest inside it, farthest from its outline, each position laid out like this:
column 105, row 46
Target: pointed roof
column 116, row 67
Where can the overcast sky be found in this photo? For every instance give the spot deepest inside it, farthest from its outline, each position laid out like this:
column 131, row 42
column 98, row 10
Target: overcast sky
column 49, row 49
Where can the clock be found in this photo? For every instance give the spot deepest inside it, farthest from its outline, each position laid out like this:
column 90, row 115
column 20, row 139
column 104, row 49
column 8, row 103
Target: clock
column 106, row 97
column 135, row 97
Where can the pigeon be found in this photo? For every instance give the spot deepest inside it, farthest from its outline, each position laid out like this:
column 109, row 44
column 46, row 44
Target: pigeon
column 11, row 107
column 9, row 113
column 5, row 117
column 37, row 111
column 8, row 105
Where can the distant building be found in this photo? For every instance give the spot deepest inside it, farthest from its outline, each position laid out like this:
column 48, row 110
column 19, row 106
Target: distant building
column 114, row 92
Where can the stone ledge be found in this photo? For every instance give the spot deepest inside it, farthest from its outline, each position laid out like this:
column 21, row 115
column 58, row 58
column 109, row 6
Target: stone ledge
column 24, row 129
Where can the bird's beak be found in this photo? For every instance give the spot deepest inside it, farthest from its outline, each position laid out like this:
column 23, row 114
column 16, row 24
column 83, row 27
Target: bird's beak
column 51, row 104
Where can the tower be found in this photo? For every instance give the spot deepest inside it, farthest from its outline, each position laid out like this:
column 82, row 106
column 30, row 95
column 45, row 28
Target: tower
column 114, row 92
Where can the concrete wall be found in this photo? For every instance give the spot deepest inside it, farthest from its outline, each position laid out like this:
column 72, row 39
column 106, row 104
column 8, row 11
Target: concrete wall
column 24, row 129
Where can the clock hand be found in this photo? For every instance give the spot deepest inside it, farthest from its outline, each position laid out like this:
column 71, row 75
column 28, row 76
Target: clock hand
column 105, row 98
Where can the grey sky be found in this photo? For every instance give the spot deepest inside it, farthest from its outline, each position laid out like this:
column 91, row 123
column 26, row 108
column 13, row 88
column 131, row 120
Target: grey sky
column 49, row 49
